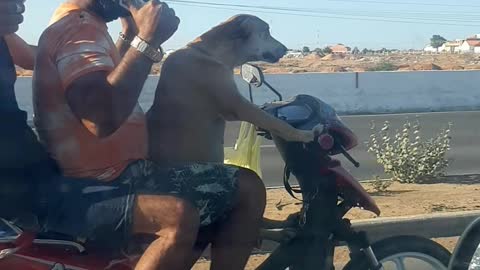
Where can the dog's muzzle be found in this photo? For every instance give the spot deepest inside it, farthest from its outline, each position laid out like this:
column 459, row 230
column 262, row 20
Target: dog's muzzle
column 276, row 55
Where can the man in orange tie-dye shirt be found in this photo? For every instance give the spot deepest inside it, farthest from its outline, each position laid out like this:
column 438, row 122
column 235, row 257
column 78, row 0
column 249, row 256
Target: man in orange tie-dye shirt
column 86, row 92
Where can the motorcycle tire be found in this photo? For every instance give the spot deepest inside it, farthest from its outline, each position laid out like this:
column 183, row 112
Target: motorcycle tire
column 404, row 244
column 466, row 247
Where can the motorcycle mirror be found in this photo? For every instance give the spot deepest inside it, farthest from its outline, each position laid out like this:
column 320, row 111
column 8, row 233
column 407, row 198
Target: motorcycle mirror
column 252, row 75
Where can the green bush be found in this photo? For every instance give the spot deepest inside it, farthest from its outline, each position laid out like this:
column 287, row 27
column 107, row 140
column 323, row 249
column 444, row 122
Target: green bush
column 383, row 66
column 408, row 158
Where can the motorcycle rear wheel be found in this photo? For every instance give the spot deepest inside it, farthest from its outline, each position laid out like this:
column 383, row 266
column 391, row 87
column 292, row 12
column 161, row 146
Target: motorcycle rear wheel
column 394, row 252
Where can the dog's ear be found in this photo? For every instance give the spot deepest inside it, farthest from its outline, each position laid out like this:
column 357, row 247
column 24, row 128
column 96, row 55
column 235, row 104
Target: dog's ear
column 242, row 28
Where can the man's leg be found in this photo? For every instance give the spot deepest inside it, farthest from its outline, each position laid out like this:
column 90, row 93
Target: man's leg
column 237, row 236
column 216, row 190
column 109, row 214
column 204, row 238
column 233, row 239
column 175, row 222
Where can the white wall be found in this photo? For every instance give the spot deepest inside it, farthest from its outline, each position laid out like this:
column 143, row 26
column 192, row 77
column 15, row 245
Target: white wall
column 429, row 48
column 377, row 92
column 443, row 48
column 465, row 47
column 384, row 92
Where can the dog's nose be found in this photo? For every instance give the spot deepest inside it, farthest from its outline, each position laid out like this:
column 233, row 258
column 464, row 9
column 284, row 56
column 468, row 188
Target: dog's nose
column 282, row 50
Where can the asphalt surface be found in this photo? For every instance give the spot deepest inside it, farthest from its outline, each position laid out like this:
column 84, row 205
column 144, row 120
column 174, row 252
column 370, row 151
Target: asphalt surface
column 464, row 155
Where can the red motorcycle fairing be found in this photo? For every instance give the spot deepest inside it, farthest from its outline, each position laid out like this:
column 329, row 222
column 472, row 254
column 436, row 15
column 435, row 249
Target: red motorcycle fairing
column 351, row 189
column 51, row 254
column 39, row 257
column 339, row 130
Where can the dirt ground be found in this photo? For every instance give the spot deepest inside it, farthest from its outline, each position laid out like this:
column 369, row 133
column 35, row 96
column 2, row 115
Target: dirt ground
column 398, row 61
column 450, row 194
column 379, row 62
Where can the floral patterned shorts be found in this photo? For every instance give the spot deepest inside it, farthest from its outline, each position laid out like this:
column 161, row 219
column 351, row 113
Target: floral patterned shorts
column 208, row 186
column 102, row 213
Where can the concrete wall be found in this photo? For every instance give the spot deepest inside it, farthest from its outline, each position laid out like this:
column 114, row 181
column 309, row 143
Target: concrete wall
column 373, row 92
column 383, row 92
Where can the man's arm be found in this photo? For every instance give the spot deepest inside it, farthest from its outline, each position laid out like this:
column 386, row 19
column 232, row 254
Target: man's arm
column 23, row 55
column 235, row 107
column 107, row 98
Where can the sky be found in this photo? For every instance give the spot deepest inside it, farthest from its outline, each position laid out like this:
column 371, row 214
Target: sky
column 371, row 24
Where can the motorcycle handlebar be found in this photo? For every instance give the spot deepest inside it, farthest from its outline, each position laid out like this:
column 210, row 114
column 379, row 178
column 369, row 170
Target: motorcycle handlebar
column 348, row 156
column 327, row 143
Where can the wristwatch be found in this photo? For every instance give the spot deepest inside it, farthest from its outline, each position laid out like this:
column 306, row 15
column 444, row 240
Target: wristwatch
column 154, row 54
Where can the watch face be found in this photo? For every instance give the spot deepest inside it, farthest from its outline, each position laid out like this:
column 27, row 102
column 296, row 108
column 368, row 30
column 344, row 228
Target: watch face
column 142, row 46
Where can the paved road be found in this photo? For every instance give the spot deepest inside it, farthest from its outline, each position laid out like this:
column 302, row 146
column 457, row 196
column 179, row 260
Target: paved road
column 464, row 155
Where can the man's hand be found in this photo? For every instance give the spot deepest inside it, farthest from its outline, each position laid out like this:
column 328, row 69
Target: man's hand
column 156, row 22
column 10, row 15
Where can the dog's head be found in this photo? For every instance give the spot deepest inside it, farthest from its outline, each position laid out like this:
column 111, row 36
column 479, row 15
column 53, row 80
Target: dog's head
column 250, row 39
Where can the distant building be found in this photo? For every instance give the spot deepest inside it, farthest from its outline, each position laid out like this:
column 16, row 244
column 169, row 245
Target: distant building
column 443, row 48
column 340, row 49
column 471, row 45
column 468, row 45
column 451, row 46
column 293, row 54
column 477, row 36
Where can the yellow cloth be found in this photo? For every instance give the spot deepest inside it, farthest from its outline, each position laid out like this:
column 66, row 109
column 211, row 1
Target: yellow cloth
column 246, row 152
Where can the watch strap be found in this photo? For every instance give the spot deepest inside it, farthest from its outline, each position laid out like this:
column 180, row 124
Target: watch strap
column 154, row 54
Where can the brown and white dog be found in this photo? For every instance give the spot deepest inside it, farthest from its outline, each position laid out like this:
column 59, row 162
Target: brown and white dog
column 197, row 93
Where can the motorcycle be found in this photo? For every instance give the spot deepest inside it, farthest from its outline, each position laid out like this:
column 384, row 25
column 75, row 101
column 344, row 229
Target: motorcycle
column 328, row 193
column 307, row 239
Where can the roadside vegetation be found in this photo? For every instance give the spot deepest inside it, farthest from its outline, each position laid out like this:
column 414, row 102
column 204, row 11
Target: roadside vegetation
column 406, row 155
column 383, row 66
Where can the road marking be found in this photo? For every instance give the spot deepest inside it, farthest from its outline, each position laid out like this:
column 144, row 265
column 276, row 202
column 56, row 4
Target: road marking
column 261, row 146
column 401, row 114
